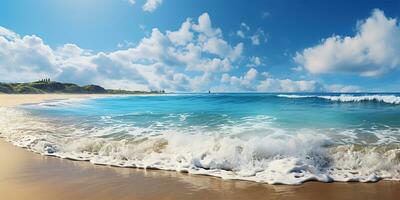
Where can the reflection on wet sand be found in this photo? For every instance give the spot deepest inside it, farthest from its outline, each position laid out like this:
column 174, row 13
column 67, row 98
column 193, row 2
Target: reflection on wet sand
column 25, row 175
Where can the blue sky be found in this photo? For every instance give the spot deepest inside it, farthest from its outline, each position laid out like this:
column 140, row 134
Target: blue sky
column 177, row 45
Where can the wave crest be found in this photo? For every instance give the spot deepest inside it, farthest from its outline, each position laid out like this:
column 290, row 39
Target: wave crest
column 276, row 156
column 389, row 99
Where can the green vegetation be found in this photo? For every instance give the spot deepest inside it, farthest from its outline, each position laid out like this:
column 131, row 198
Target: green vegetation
column 47, row 86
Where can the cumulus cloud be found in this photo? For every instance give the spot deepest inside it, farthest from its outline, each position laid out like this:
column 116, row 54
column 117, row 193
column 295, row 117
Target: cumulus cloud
column 7, row 33
column 195, row 57
column 125, row 44
column 252, row 80
column 27, row 54
column 258, row 37
column 204, row 26
column 343, row 88
column 372, row 51
column 240, row 34
column 186, row 59
column 244, row 28
column 297, row 68
column 251, row 74
column 183, row 35
column 242, row 83
column 217, row 46
column 151, row 5
column 288, row 85
column 255, row 61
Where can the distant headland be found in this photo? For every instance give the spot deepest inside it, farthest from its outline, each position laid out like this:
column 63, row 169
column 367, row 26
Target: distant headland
column 46, row 86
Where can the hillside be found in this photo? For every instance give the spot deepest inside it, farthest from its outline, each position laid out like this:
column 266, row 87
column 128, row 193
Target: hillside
column 47, row 86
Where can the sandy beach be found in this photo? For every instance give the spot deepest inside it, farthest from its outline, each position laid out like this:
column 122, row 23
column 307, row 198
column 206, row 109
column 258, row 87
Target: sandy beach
column 9, row 100
column 26, row 175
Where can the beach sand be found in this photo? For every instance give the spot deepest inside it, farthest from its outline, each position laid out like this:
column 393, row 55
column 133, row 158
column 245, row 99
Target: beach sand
column 26, row 175
column 9, row 100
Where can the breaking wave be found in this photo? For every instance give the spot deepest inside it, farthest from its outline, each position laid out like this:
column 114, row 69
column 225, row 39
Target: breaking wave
column 252, row 149
column 389, row 99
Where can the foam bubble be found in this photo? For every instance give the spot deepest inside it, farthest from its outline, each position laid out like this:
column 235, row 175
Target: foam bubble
column 234, row 151
column 294, row 96
column 389, row 99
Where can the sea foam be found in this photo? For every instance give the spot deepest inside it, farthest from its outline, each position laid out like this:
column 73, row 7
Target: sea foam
column 277, row 156
column 389, row 99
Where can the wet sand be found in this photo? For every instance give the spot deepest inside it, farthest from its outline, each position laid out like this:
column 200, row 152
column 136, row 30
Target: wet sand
column 9, row 100
column 26, row 175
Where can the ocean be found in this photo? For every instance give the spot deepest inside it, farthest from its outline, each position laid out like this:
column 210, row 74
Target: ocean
column 271, row 138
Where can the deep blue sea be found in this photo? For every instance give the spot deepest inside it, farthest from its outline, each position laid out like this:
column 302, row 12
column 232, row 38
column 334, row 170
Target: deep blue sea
column 272, row 138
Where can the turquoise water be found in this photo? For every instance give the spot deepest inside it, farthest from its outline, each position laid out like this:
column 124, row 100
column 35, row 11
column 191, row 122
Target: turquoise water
column 273, row 138
column 214, row 109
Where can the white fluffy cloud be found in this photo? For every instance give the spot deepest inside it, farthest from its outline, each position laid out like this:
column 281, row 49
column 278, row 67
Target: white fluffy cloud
column 240, row 34
column 252, row 80
column 256, row 38
column 7, row 33
column 255, row 61
column 186, row 59
column 343, row 88
column 217, row 46
column 242, row 31
column 287, row 85
column 204, row 26
column 196, row 57
column 251, row 74
column 183, row 35
column 242, row 83
column 374, row 50
column 24, row 55
column 151, row 5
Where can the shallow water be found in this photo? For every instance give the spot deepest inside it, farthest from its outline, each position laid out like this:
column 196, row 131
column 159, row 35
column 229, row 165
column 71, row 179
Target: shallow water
column 272, row 138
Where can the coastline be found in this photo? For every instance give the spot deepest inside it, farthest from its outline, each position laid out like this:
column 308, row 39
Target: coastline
column 11, row 100
column 26, row 175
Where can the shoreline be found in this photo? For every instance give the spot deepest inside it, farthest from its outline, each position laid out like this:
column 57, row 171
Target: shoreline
column 28, row 175
column 12, row 100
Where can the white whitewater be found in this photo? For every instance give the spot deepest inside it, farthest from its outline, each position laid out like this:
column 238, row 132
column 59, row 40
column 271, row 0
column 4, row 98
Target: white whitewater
column 276, row 156
column 390, row 99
